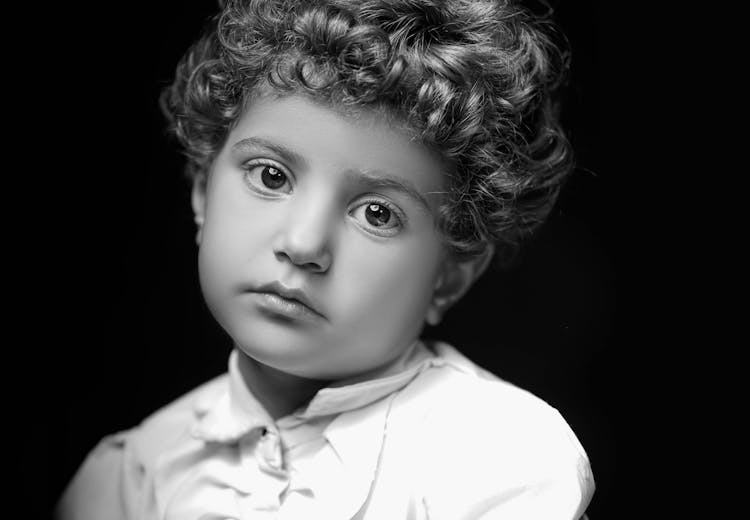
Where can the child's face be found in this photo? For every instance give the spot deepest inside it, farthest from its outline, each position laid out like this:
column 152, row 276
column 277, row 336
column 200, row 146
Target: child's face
column 307, row 199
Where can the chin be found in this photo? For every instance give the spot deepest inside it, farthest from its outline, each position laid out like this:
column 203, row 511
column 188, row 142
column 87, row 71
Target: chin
column 285, row 356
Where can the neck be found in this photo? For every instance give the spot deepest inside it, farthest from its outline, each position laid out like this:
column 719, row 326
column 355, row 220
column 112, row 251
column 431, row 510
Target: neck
column 280, row 393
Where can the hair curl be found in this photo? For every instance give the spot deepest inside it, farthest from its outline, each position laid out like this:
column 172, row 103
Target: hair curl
column 476, row 80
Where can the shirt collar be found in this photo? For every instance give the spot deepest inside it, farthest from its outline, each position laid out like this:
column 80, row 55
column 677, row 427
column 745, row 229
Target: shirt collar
column 236, row 411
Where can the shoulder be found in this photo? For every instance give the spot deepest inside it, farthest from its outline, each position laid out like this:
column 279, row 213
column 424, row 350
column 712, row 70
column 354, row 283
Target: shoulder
column 456, row 390
column 135, row 449
column 111, row 478
column 490, row 442
column 173, row 422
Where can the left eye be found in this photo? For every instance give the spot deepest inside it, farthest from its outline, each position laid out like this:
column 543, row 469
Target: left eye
column 267, row 177
column 378, row 217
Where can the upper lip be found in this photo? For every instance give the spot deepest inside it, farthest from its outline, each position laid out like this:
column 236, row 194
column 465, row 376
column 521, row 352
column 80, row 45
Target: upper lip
column 290, row 294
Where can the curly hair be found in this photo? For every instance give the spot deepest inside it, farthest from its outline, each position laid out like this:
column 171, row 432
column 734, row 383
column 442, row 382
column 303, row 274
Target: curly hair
column 476, row 80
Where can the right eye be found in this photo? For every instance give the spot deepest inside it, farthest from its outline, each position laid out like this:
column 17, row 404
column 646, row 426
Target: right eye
column 266, row 177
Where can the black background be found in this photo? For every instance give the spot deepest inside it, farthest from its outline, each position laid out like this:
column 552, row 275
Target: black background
column 112, row 322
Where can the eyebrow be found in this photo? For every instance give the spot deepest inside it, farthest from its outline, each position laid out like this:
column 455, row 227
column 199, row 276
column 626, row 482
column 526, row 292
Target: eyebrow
column 282, row 151
column 372, row 178
column 378, row 179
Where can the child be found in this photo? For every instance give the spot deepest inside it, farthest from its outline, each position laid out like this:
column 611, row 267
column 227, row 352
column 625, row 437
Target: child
column 356, row 165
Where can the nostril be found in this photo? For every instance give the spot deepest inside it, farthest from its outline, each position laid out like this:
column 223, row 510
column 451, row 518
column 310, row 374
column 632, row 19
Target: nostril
column 320, row 264
column 312, row 266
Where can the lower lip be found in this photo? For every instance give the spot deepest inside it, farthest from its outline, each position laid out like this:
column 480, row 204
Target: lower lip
column 279, row 306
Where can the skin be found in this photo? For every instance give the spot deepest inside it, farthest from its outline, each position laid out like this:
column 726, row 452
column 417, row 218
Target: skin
column 372, row 273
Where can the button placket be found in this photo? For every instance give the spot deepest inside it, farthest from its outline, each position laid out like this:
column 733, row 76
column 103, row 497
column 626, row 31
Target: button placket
column 268, row 453
column 267, row 478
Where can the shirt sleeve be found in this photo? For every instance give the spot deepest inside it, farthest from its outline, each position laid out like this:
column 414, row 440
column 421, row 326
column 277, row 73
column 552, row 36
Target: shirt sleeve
column 522, row 465
column 105, row 486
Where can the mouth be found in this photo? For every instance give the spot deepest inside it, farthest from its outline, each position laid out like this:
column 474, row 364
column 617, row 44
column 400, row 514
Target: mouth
column 282, row 301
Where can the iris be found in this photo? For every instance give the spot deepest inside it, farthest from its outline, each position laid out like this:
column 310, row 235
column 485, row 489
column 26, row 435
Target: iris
column 377, row 215
column 272, row 177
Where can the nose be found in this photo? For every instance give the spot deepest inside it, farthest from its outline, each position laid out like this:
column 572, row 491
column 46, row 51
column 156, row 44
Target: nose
column 305, row 238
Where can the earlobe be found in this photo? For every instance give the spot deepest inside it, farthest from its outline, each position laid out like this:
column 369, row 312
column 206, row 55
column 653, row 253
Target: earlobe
column 455, row 279
column 198, row 201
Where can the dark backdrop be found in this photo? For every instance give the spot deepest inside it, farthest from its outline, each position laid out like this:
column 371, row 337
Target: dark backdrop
column 116, row 327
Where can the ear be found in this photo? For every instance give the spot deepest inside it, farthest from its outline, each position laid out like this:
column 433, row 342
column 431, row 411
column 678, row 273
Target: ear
column 198, row 201
column 455, row 279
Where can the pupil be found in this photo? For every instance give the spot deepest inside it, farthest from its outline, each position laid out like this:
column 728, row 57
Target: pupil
column 272, row 177
column 377, row 215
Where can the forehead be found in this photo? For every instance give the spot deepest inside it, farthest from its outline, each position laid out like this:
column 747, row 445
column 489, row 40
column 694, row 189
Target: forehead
column 346, row 140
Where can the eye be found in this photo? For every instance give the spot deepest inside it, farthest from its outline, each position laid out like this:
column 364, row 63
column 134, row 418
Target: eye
column 266, row 177
column 378, row 217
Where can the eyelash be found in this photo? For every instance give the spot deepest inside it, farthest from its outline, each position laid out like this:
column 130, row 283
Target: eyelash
column 395, row 211
column 400, row 217
column 250, row 165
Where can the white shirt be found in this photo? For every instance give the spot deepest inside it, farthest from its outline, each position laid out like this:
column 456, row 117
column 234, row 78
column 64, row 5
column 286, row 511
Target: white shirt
column 430, row 436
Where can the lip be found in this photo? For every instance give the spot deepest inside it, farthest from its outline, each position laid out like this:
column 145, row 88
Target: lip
column 289, row 302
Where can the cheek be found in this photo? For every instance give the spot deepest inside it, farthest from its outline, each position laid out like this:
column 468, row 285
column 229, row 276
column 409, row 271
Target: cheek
column 232, row 237
column 390, row 287
column 220, row 245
